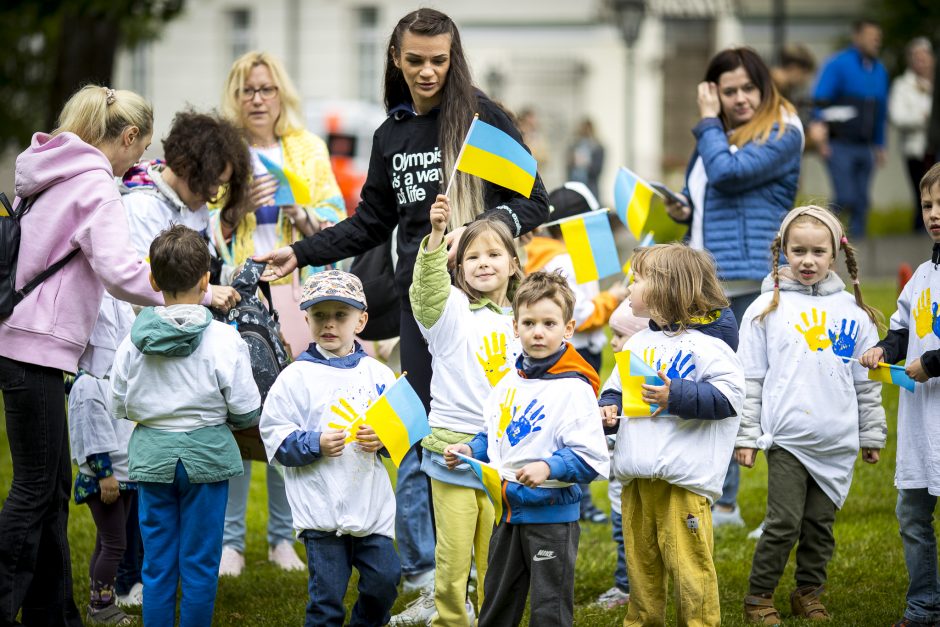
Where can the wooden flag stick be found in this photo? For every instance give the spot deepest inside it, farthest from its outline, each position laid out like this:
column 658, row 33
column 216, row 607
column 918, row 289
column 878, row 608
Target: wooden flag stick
column 577, row 217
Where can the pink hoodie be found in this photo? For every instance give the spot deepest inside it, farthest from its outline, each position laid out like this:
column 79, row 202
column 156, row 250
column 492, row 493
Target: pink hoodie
column 80, row 207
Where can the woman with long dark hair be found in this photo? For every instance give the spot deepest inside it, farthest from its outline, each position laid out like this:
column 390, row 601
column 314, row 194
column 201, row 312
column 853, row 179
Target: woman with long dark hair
column 740, row 182
column 431, row 100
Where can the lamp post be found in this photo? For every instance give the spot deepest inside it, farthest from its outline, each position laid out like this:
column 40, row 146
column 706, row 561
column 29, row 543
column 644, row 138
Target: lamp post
column 629, row 17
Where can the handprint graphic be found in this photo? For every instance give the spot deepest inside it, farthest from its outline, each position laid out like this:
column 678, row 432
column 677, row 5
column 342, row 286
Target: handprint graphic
column 936, row 320
column 349, row 418
column 493, row 359
column 678, row 363
column 843, row 342
column 506, row 412
column 649, row 357
column 923, row 320
column 815, row 334
column 523, row 425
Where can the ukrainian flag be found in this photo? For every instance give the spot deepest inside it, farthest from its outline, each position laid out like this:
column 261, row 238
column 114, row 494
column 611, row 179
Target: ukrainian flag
column 590, row 242
column 634, row 372
column 632, row 198
column 496, row 157
column 291, row 189
column 895, row 375
column 399, row 419
column 491, row 480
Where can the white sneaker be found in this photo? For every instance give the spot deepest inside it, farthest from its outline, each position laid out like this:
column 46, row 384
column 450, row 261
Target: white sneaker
column 417, row 612
column 414, row 583
column 133, row 598
column 285, row 557
column 232, row 563
column 615, row 597
column 722, row 518
column 757, row 533
column 471, row 614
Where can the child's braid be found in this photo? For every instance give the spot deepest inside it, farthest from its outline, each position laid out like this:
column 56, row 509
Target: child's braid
column 852, row 265
column 775, row 247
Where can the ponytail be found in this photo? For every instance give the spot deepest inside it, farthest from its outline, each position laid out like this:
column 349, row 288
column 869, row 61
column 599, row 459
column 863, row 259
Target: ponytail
column 100, row 114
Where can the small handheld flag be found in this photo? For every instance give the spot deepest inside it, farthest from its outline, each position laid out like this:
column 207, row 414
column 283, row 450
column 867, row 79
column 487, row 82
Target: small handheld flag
column 634, row 372
column 492, row 482
column 590, row 242
column 291, row 190
column 632, row 199
column 895, row 375
column 494, row 156
column 399, row 419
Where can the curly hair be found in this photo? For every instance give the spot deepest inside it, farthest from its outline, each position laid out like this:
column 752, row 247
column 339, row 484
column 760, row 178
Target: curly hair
column 198, row 149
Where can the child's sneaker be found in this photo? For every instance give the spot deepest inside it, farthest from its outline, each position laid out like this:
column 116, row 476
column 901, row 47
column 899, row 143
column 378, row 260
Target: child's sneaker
column 761, row 611
column 421, row 581
column 285, row 557
column 417, row 612
column 731, row 518
column 109, row 615
column 757, row 533
column 232, row 563
column 805, row 603
column 133, row 598
column 615, row 597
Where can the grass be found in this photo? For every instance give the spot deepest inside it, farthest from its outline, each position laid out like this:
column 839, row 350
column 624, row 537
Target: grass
column 867, row 577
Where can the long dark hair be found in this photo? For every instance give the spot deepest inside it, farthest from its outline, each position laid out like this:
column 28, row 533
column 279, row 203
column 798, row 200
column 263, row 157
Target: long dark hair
column 458, row 104
column 772, row 104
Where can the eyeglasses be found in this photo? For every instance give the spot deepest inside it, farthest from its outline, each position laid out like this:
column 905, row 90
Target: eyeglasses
column 267, row 92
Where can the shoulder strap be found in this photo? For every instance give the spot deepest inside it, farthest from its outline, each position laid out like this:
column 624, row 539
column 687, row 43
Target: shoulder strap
column 45, row 274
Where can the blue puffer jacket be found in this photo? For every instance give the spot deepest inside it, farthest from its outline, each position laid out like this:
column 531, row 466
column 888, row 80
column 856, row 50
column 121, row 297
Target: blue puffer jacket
column 748, row 194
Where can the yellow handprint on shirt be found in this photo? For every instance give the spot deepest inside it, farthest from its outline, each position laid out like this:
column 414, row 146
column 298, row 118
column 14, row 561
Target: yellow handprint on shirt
column 816, row 336
column 351, row 419
column 506, row 411
column 649, row 357
column 493, row 359
column 923, row 318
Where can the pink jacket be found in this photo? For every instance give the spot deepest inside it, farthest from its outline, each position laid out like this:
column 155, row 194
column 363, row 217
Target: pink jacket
column 79, row 207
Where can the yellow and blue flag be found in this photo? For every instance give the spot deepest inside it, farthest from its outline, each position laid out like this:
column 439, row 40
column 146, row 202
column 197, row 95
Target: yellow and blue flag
column 634, row 372
column 492, row 482
column 291, row 189
column 399, row 419
column 496, row 157
column 632, row 199
column 590, row 242
column 895, row 375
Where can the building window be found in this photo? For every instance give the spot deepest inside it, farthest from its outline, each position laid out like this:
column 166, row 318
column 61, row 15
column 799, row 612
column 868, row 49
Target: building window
column 140, row 69
column 239, row 21
column 369, row 53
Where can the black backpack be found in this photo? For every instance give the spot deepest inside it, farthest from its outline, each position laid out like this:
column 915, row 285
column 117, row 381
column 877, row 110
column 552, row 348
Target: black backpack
column 9, row 252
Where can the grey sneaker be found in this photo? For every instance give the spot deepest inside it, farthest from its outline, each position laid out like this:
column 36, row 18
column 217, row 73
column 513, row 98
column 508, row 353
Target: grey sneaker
column 417, row 612
column 757, row 533
column 615, row 597
column 727, row 519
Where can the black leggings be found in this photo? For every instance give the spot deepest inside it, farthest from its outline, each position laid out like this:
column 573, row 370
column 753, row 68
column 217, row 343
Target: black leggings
column 110, row 520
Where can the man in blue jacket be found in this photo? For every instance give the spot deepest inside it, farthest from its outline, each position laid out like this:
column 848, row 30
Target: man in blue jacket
column 852, row 93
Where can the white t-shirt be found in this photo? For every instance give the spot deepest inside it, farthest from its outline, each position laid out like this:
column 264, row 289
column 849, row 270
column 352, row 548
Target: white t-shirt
column 809, row 405
column 350, row 494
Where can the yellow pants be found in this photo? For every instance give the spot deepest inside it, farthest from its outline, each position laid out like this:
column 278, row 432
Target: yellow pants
column 667, row 531
column 464, row 521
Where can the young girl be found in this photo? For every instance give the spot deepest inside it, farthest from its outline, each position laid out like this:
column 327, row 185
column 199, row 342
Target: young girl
column 804, row 333
column 469, row 332
column 672, row 460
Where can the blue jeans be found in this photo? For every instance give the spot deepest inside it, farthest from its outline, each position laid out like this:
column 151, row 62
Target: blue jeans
column 915, row 517
column 181, row 526
column 331, row 558
column 620, row 573
column 280, row 521
column 851, row 166
column 35, row 564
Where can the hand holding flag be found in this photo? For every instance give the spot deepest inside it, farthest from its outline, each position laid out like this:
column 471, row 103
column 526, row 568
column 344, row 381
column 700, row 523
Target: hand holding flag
column 398, row 419
column 635, row 377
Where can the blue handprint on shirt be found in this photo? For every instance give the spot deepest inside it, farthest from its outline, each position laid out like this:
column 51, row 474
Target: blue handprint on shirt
column 936, row 320
column 678, row 363
column 843, row 343
column 523, row 425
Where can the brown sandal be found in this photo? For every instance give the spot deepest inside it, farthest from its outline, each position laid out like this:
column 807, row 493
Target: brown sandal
column 761, row 611
column 805, row 603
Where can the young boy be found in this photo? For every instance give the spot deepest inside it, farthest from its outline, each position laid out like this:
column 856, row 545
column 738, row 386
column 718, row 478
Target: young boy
column 542, row 430
column 916, row 474
column 181, row 376
column 338, row 489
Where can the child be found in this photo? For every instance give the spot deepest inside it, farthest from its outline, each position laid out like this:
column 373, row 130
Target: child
column 341, row 497
column 541, row 429
column 99, row 449
column 672, row 463
column 918, row 456
column 182, row 376
column 801, row 334
column 469, row 332
column 592, row 307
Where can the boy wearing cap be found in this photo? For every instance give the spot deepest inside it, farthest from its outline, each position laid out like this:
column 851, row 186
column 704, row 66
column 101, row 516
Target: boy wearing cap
column 339, row 492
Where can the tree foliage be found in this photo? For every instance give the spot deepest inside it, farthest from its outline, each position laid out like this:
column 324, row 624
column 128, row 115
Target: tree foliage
column 902, row 21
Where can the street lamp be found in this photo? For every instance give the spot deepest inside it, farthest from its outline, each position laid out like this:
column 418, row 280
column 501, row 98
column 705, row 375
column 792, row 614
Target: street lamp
column 629, row 16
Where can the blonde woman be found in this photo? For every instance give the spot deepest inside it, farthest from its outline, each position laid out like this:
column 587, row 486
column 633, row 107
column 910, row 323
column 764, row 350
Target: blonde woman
column 261, row 100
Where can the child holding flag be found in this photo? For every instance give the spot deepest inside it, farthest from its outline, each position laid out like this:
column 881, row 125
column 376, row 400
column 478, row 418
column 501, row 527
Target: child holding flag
column 541, row 431
column 676, row 432
column 805, row 333
column 918, row 456
column 341, row 497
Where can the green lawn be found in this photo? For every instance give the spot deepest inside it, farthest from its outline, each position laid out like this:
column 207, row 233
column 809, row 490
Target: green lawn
column 867, row 575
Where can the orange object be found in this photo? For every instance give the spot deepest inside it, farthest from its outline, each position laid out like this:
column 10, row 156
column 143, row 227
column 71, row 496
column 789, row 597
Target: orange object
column 905, row 272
